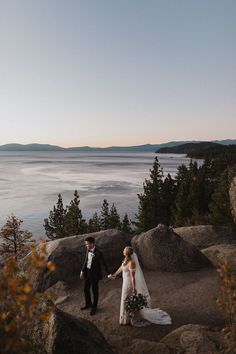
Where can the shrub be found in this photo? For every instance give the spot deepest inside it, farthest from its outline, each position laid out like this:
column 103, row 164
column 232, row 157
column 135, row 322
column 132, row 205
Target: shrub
column 19, row 302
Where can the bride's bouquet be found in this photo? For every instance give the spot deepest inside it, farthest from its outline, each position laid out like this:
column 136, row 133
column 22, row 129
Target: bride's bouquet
column 134, row 303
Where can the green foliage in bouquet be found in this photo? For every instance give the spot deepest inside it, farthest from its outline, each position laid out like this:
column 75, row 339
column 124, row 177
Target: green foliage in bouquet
column 134, row 303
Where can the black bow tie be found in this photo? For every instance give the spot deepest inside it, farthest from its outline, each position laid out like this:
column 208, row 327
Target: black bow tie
column 90, row 251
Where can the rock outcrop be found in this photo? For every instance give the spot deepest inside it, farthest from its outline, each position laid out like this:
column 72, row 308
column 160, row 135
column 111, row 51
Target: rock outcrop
column 162, row 249
column 68, row 254
column 203, row 236
column 232, row 194
column 194, row 339
column 64, row 333
column 218, row 254
column 140, row 346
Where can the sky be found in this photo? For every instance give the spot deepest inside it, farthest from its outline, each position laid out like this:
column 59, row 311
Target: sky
column 117, row 72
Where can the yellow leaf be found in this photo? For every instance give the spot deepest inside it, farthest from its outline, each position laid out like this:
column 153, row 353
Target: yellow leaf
column 51, row 266
column 44, row 316
column 27, row 288
column 4, row 315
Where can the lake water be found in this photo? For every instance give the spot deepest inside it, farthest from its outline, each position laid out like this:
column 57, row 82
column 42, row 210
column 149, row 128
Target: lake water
column 31, row 181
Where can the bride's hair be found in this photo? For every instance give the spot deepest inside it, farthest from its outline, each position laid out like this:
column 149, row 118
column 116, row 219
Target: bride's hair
column 129, row 251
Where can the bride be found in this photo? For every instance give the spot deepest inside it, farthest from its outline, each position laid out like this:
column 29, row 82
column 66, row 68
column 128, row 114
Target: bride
column 133, row 283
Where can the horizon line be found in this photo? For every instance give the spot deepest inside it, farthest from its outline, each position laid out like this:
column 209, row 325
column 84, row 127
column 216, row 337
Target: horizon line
column 116, row 146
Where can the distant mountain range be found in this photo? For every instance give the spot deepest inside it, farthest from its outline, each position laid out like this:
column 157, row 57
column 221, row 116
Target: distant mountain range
column 202, row 150
column 137, row 148
column 47, row 147
column 188, row 147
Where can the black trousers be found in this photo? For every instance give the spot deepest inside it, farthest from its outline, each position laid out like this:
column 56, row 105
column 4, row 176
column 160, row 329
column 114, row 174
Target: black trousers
column 88, row 284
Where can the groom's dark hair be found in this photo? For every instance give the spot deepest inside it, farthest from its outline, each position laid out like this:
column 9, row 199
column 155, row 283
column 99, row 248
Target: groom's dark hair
column 90, row 239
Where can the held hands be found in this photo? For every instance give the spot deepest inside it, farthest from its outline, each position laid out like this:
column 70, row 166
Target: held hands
column 111, row 276
column 134, row 292
column 81, row 275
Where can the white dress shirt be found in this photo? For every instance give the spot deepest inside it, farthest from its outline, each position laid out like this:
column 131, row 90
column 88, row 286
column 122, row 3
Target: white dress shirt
column 90, row 258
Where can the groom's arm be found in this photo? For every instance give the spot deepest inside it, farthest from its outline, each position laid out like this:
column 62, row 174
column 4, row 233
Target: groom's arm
column 84, row 267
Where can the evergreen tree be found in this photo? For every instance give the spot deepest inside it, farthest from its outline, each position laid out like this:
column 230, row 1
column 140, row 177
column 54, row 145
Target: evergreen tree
column 206, row 188
column 182, row 210
column 55, row 224
column 220, row 209
column 189, row 205
column 13, row 240
column 194, row 188
column 74, row 222
column 168, row 194
column 150, row 206
column 114, row 218
column 105, row 216
column 94, row 223
column 125, row 225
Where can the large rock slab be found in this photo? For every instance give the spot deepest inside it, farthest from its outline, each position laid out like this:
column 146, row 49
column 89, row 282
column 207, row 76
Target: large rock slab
column 141, row 346
column 69, row 253
column 232, row 194
column 162, row 249
column 203, row 236
column 195, row 339
column 64, row 333
column 218, row 254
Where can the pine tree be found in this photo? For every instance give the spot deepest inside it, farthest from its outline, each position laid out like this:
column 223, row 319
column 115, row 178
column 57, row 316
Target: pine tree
column 125, row 226
column 74, row 222
column 220, row 210
column 182, row 210
column 105, row 215
column 150, row 206
column 14, row 240
column 195, row 187
column 114, row 218
column 168, row 194
column 94, row 223
column 188, row 208
column 55, row 224
column 206, row 188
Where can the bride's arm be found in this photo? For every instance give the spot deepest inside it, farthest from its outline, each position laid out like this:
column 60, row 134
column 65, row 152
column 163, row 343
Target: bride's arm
column 132, row 276
column 119, row 270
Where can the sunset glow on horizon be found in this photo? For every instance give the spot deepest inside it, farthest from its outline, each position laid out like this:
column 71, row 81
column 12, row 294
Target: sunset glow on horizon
column 105, row 73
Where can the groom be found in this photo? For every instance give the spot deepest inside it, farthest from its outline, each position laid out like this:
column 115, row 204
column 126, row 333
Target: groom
column 92, row 272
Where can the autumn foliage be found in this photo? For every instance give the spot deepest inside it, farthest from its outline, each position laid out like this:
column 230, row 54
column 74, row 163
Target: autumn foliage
column 19, row 301
column 14, row 240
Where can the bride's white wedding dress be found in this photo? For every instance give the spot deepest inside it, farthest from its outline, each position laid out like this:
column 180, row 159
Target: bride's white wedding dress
column 147, row 315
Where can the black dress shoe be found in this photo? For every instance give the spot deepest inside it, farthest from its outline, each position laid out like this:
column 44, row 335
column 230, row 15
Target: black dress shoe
column 93, row 311
column 85, row 307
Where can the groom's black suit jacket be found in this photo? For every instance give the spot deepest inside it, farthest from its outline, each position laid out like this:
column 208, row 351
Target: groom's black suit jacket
column 95, row 272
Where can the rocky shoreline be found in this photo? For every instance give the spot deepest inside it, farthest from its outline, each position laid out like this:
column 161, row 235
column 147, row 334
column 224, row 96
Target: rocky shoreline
column 182, row 279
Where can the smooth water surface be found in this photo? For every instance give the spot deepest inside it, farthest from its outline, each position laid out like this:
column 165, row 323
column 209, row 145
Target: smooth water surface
column 31, row 181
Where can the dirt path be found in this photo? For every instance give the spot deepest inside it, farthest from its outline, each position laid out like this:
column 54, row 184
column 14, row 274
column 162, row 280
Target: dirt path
column 187, row 297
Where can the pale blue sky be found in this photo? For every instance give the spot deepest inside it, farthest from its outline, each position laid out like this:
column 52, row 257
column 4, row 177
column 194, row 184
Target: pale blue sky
column 117, row 72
